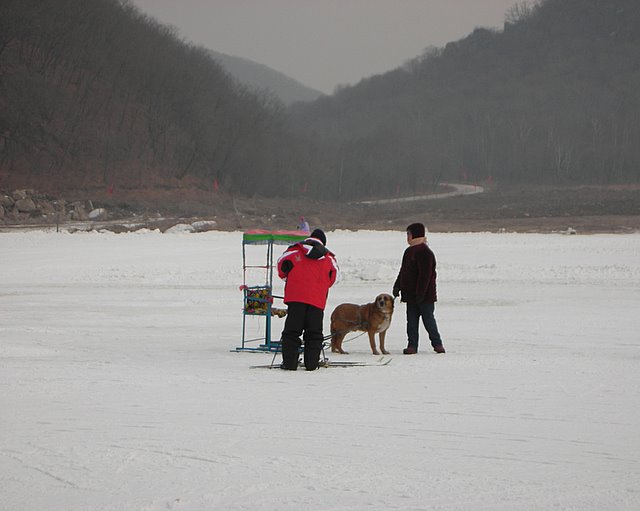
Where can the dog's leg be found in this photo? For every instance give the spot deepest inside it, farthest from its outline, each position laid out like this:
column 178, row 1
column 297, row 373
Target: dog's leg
column 339, row 344
column 372, row 342
column 382, row 335
column 334, row 340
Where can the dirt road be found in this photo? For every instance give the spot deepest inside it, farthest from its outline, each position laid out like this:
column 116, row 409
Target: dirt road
column 457, row 190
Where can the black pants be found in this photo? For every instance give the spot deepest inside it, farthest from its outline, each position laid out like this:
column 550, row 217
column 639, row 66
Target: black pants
column 425, row 310
column 302, row 317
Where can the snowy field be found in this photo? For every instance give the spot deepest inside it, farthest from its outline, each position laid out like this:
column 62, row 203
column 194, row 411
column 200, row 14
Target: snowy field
column 119, row 389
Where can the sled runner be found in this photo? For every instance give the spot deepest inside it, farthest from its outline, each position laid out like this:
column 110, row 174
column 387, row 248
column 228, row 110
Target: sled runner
column 382, row 361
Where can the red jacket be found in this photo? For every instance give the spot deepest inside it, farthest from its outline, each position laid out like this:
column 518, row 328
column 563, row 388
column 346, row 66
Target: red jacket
column 417, row 278
column 309, row 270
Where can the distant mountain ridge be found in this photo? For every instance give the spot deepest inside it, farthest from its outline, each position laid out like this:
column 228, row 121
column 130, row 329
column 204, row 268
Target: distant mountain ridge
column 260, row 77
column 100, row 96
column 553, row 98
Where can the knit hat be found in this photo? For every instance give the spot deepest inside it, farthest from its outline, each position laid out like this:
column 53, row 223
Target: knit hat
column 417, row 230
column 319, row 235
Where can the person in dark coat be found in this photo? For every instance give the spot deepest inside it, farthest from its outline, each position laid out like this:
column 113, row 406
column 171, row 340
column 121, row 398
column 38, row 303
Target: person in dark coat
column 309, row 269
column 416, row 284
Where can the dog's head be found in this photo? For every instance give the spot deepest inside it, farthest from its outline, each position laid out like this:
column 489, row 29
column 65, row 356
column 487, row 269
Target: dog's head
column 384, row 302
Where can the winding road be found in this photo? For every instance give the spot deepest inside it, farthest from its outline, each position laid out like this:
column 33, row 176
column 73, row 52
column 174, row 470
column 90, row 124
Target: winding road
column 458, row 189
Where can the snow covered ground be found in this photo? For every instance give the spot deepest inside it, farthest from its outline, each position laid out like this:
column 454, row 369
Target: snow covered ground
column 119, row 389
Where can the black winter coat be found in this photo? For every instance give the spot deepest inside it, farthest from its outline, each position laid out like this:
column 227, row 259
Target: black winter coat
column 417, row 278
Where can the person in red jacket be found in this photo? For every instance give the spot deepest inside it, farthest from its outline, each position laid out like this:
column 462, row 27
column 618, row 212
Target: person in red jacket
column 309, row 269
column 417, row 283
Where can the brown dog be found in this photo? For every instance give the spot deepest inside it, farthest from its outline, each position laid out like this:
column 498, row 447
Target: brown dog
column 371, row 318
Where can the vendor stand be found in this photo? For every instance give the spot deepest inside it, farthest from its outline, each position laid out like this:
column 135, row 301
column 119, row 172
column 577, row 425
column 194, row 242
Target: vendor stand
column 258, row 297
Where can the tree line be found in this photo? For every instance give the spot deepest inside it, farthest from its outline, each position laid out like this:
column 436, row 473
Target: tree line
column 95, row 93
column 552, row 98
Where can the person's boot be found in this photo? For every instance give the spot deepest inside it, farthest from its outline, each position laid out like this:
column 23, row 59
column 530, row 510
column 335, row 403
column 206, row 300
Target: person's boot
column 410, row 350
column 439, row 348
column 311, row 359
column 289, row 356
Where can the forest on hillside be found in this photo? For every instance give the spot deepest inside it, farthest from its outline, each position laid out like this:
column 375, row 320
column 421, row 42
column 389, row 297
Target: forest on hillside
column 554, row 98
column 95, row 94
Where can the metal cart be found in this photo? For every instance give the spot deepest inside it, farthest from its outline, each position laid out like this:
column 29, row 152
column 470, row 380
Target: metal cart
column 258, row 297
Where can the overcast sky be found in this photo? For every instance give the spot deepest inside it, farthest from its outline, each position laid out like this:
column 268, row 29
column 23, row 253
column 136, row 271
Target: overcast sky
column 324, row 43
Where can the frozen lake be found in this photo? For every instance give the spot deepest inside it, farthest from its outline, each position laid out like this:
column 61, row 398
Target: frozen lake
column 120, row 389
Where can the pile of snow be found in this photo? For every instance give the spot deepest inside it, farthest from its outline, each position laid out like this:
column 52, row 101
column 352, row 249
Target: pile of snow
column 180, row 228
column 97, row 214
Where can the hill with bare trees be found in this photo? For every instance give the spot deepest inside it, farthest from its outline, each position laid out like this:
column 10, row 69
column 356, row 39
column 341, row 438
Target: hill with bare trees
column 552, row 99
column 95, row 96
column 261, row 78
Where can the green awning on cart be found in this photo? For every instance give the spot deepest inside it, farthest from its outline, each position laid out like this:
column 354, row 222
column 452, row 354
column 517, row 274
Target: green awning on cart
column 263, row 237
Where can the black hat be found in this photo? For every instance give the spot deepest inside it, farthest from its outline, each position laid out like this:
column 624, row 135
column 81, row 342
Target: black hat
column 417, row 230
column 319, row 235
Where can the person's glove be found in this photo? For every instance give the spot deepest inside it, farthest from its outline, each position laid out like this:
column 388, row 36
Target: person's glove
column 317, row 251
column 286, row 266
column 396, row 292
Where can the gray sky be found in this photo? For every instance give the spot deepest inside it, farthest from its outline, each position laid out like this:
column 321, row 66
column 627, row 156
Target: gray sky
column 324, row 43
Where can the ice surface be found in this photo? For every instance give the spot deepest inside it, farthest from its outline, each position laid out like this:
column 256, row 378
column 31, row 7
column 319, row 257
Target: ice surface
column 119, row 389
